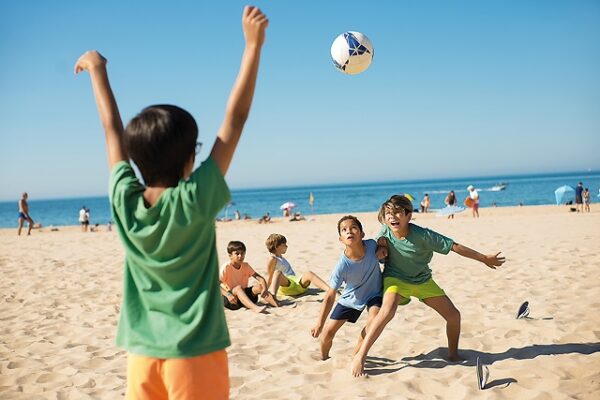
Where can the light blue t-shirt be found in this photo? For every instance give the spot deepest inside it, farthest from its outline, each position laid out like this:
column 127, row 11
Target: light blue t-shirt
column 362, row 278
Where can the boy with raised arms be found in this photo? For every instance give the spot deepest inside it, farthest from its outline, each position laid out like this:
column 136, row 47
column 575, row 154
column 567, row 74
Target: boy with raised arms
column 172, row 320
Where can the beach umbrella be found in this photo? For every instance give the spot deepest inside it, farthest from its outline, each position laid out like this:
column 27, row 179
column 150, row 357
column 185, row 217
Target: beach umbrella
column 408, row 196
column 563, row 193
column 287, row 204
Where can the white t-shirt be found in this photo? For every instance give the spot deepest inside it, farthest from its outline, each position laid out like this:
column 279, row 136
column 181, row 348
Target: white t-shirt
column 83, row 215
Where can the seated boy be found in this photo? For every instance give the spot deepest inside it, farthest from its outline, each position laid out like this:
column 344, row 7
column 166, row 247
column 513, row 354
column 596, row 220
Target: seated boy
column 358, row 268
column 234, row 282
column 283, row 280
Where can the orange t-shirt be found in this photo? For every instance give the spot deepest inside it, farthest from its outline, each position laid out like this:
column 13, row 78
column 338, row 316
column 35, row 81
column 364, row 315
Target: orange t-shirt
column 232, row 276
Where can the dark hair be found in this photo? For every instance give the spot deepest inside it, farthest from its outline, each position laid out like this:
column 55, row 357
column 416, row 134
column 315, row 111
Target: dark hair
column 160, row 140
column 235, row 245
column 275, row 240
column 346, row 218
column 396, row 203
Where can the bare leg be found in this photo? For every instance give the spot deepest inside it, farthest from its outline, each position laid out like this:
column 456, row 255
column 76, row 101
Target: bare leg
column 385, row 315
column 21, row 221
column 245, row 300
column 278, row 280
column 373, row 311
column 29, row 225
column 309, row 277
column 443, row 305
column 269, row 298
column 326, row 339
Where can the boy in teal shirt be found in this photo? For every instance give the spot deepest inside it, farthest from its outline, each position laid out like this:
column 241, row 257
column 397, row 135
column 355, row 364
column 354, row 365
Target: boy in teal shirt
column 172, row 321
column 407, row 274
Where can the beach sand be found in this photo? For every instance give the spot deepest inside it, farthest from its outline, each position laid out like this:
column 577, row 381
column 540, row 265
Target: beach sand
column 60, row 295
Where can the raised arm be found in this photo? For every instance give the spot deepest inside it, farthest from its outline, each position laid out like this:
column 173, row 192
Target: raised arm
column 95, row 64
column 254, row 24
column 491, row 260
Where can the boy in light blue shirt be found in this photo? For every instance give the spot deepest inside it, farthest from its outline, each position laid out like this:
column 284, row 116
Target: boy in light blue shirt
column 358, row 268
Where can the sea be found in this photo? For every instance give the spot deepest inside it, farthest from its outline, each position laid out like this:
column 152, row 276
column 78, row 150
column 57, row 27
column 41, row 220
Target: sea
column 525, row 190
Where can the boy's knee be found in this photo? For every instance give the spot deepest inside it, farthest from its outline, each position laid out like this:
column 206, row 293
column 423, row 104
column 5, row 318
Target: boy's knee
column 454, row 316
column 236, row 290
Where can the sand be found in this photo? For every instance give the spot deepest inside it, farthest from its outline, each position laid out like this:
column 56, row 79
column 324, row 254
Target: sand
column 60, row 295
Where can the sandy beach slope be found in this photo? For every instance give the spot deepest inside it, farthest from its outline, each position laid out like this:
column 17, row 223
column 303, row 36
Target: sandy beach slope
column 60, row 294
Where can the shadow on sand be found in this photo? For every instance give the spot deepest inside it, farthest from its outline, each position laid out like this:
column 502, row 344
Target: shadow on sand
column 435, row 358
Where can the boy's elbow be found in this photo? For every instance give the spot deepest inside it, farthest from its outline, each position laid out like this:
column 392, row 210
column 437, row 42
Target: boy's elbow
column 238, row 118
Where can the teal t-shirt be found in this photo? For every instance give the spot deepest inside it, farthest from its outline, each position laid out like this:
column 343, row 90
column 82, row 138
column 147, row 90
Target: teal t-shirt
column 408, row 259
column 172, row 304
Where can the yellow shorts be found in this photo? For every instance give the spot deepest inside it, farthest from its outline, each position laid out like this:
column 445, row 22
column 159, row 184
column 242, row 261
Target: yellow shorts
column 201, row 377
column 294, row 289
column 407, row 290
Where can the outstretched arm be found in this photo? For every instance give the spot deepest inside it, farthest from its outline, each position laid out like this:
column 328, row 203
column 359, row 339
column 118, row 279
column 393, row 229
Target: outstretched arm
column 254, row 24
column 95, row 64
column 328, row 301
column 491, row 260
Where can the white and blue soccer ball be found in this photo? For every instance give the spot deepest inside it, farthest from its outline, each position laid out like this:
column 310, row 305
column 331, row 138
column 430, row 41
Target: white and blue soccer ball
column 352, row 52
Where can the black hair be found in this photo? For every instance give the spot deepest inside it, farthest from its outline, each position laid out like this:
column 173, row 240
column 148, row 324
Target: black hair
column 235, row 245
column 346, row 218
column 160, row 140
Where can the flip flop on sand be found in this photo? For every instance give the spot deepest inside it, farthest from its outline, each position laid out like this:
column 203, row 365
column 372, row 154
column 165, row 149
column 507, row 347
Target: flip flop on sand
column 523, row 310
column 483, row 373
column 523, row 313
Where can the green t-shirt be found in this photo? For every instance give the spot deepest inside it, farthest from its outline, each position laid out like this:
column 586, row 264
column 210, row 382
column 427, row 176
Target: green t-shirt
column 172, row 304
column 408, row 259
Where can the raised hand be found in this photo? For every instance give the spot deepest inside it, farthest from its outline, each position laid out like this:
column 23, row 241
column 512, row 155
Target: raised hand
column 254, row 24
column 89, row 61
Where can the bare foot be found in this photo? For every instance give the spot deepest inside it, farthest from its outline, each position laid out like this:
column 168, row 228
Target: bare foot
column 357, row 367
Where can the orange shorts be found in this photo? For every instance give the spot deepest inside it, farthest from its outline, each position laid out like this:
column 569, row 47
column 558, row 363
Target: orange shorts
column 201, row 377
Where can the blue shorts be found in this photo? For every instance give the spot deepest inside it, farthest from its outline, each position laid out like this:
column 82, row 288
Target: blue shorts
column 341, row 312
column 21, row 215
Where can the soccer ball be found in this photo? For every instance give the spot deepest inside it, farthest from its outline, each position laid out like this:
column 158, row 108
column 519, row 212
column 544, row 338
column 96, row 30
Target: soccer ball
column 352, row 52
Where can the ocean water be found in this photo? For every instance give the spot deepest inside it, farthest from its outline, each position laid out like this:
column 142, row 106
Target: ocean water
column 347, row 198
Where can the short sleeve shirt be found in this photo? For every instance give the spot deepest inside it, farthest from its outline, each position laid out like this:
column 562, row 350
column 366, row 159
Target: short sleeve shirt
column 408, row 259
column 172, row 304
column 362, row 278
column 232, row 276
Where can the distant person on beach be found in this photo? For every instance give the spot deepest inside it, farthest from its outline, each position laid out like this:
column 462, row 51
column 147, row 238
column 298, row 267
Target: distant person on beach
column 425, row 203
column 474, row 196
column 282, row 279
column 84, row 219
column 586, row 200
column 297, row 217
column 265, row 219
column 237, row 215
column 450, row 201
column 172, row 319
column 24, row 215
column 407, row 274
column 234, row 278
column 358, row 270
column 579, row 197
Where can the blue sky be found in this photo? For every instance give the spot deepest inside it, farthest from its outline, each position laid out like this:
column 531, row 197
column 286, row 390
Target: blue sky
column 456, row 88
